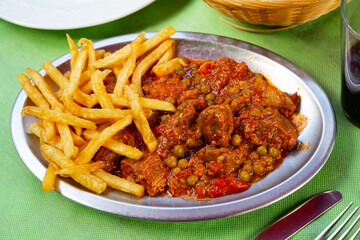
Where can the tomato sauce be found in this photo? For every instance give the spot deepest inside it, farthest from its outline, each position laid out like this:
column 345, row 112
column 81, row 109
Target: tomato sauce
column 232, row 128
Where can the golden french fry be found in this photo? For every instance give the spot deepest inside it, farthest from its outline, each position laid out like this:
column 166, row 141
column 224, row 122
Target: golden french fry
column 97, row 80
column 156, row 104
column 38, row 99
column 59, row 117
column 122, row 77
column 49, row 178
column 94, row 145
column 91, row 53
column 148, row 61
column 70, row 149
column 92, row 113
column 140, row 120
column 155, row 40
column 123, row 53
column 87, row 88
column 63, row 83
column 170, row 53
column 88, row 180
column 40, row 133
column 78, row 130
column 106, row 54
column 72, row 130
column 78, row 140
column 73, row 51
column 120, row 183
column 67, row 74
column 84, row 78
column 99, row 53
column 76, row 71
column 168, row 67
column 32, row 92
column 115, row 146
column 90, row 167
column 149, row 103
column 44, row 88
column 114, row 58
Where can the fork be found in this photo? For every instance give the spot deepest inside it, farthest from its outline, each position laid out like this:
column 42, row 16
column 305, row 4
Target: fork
column 346, row 232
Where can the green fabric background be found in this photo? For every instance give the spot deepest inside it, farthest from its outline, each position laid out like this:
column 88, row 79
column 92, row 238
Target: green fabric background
column 26, row 212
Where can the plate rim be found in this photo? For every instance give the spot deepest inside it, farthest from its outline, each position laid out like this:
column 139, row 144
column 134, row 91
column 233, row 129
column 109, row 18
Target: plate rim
column 196, row 213
column 81, row 24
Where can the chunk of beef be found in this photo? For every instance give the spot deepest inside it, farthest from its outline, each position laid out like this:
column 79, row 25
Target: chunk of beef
column 220, row 73
column 111, row 159
column 219, row 162
column 150, row 171
column 177, row 130
column 216, row 169
column 130, row 136
column 268, row 128
column 217, row 124
column 269, row 95
column 164, row 87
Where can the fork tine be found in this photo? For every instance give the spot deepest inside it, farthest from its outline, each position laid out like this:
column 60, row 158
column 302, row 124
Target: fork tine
column 332, row 236
column 355, row 234
column 349, row 228
column 327, row 229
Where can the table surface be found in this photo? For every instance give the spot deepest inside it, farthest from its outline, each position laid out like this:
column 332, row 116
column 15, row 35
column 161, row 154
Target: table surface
column 28, row 212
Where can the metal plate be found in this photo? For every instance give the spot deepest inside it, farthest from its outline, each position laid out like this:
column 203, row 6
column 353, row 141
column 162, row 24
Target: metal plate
column 298, row 168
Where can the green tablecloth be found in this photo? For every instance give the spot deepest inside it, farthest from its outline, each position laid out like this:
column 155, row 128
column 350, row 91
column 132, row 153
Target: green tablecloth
column 29, row 213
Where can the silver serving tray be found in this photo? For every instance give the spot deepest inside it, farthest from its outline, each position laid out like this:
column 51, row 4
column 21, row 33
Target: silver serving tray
column 297, row 169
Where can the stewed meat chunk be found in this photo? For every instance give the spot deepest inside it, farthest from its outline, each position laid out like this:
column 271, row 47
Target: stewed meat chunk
column 150, row 171
column 217, row 124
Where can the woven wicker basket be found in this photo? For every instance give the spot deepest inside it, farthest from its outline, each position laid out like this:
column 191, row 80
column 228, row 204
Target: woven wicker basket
column 286, row 13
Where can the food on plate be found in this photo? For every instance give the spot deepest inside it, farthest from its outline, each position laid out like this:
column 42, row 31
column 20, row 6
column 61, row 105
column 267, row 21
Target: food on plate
column 144, row 121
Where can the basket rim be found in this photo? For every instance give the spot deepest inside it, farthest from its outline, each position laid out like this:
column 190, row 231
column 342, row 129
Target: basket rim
column 270, row 3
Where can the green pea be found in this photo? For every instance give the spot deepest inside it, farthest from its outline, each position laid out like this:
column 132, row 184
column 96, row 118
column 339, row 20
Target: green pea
column 183, row 163
column 211, row 102
column 178, row 150
column 273, row 152
column 194, row 65
column 190, row 142
column 254, row 155
column 181, row 72
column 246, row 94
column 259, row 169
column 261, row 150
column 164, row 118
column 193, row 72
column 235, row 140
column 247, row 167
column 192, row 179
column 234, row 90
column 176, row 170
column 255, row 112
column 171, row 161
column 210, row 97
column 186, row 81
column 220, row 158
column 205, row 89
column 170, row 100
column 244, row 176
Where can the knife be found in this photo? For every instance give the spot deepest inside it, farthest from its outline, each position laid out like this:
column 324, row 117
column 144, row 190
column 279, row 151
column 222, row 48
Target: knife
column 301, row 216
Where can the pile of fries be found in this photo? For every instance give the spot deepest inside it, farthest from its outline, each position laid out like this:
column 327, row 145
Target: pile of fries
column 80, row 117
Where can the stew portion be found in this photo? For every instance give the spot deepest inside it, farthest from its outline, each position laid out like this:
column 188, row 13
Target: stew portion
column 232, row 127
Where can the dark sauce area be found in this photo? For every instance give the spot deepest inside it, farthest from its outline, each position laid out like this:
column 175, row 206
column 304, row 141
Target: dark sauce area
column 350, row 91
column 231, row 128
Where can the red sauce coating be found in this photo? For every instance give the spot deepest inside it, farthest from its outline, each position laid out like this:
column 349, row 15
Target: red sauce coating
column 231, row 129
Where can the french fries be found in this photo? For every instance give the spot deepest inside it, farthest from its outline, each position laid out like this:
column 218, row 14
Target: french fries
column 81, row 116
